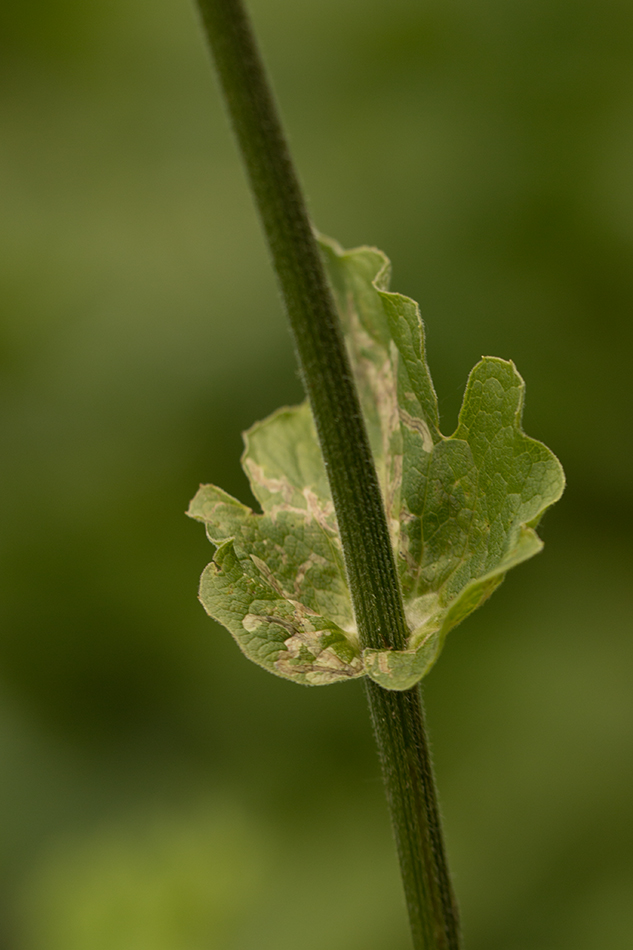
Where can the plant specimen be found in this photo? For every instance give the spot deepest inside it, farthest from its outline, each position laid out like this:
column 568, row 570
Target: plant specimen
column 378, row 534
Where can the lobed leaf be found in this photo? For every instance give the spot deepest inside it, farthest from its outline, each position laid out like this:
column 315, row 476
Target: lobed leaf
column 461, row 509
column 277, row 580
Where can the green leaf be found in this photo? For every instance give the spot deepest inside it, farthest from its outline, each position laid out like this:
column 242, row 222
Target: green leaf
column 462, row 510
column 277, row 580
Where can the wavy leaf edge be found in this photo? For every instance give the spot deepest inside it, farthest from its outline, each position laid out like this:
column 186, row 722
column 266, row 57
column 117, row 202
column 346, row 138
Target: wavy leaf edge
column 462, row 509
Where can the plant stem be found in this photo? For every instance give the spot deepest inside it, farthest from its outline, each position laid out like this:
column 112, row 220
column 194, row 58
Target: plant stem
column 397, row 717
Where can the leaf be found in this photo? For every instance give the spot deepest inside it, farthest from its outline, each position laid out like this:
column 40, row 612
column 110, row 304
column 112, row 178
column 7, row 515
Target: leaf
column 461, row 510
column 277, row 580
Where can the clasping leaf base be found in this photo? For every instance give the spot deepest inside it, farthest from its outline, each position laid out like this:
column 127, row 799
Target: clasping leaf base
column 462, row 510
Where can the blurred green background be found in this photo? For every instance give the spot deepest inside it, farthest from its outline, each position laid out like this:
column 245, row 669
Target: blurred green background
column 159, row 792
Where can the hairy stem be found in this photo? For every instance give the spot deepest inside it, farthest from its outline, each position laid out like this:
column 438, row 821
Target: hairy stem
column 397, row 717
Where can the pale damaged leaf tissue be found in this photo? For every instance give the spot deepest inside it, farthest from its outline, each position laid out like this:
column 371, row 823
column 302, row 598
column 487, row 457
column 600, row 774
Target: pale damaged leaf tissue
column 462, row 510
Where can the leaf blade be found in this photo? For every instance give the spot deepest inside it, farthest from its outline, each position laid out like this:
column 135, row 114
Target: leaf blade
column 462, row 509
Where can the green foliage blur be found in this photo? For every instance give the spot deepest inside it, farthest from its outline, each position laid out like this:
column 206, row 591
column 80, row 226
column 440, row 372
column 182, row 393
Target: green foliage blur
column 158, row 791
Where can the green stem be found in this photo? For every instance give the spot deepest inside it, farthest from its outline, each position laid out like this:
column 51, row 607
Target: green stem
column 397, row 717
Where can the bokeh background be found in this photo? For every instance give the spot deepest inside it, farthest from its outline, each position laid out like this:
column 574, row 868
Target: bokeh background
column 159, row 792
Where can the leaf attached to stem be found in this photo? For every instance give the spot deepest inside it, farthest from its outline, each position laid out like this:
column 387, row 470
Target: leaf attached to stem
column 462, row 510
